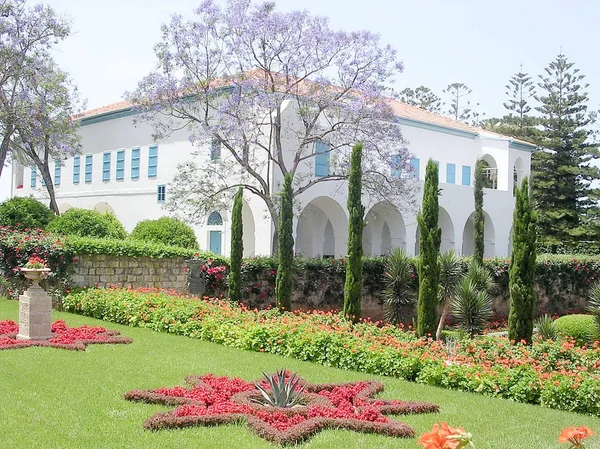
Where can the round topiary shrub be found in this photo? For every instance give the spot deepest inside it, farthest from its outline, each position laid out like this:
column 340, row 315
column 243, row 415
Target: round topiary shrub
column 25, row 212
column 88, row 223
column 165, row 230
column 582, row 328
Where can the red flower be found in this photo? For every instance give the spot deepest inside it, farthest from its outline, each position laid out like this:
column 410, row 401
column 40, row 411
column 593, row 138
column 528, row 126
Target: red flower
column 438, row 437
column 575, row 436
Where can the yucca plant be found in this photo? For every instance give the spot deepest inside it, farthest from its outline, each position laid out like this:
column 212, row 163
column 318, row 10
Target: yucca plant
column 546, row 329
column 472, row 307
column 594, row 302
column 400, row 292
column 481, row 277
column 450, row 275
column 284, row 391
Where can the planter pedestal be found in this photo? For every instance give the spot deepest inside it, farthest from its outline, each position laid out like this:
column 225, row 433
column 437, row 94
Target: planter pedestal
column 195, row 280
column 35, row 311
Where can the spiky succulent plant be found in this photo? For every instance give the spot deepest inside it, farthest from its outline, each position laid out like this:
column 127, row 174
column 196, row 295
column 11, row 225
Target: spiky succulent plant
column 284, row 390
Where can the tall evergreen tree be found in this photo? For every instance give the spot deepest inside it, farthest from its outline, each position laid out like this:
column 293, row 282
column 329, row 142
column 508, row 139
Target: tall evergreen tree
column 283, row 281
column 422, row 97
column 478, row 217
column 522, row 267
column 459, row 106
column 562, row 173
column 353, row 286
column 429, row 248
column 237, row 248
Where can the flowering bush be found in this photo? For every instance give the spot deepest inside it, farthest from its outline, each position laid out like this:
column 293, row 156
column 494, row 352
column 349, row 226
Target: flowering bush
column 575, row 436
column 35, row 262
column 554, row 374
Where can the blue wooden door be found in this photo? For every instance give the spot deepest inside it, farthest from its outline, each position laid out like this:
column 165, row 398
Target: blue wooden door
column 215, row 242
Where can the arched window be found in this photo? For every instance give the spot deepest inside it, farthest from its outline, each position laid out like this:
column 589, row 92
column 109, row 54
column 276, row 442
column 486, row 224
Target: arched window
column 215, row 219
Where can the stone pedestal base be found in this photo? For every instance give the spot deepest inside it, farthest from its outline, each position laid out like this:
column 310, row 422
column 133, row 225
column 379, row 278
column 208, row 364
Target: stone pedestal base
column 35, row 314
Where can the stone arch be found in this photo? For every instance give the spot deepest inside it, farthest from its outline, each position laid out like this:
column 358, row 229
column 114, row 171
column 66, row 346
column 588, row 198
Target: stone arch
column 249, row 230
column 518, row 173
column 447, row 226
column 489, row 237
column 64, row 207
column 490, row 172
column 104, row 207
column 322, row 228
column 384, row 230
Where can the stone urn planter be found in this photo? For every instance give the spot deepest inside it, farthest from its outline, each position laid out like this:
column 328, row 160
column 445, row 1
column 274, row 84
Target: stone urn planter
column 35, row 308
column 195, row 280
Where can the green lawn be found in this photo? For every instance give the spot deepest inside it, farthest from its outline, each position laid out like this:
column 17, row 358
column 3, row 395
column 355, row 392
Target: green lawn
column 52, row 398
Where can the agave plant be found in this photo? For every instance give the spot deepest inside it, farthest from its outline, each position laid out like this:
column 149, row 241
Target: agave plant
column 399, row 293
column 284, row 390
column 546, row 329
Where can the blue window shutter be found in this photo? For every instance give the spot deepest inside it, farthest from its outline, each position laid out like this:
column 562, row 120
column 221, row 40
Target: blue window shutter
column 135, row 163
column 120, row 165
column 106, row 166
column 161, row 193
column 153, row 162
column 322, row 159
column 215, row 242
column 396, row 168
column 33, row 177
column 88, row 168
column 466, row 175
column 57, row 169
column 450, row 173
column 76, row 169
column 415, row 164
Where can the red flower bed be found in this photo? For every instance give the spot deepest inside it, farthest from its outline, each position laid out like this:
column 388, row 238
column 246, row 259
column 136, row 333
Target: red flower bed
column 75, row 338
column 214, row 400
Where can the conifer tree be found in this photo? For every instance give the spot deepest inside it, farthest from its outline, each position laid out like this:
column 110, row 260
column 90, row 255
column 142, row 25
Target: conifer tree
column 283, row 281
column 422, row 97
column 478, row 217
column 353, row 286
column 562, row 173
column 522, row 267
column 237, row 248
column 429, row 248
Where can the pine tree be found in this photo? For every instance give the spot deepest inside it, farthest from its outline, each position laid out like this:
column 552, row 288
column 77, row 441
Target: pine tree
column 353, row 286
column 478, row 217
column 562, row 174
column 237, row 248
column 422, row 97
column 459, row 109
column 429, row 248
column 522, row 268
column 283, row 281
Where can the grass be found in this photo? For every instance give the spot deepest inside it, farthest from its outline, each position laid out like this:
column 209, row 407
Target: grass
column 52, row 398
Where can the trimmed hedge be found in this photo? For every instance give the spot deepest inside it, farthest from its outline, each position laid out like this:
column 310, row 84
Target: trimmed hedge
column 88, row 223
column 167, row 231
column 25, row 212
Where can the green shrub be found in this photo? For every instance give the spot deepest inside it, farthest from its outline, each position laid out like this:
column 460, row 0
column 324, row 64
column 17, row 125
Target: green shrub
column 88, row 223
column 25, row 212
column 582, row 328
column 165, row 230
column 546, row 328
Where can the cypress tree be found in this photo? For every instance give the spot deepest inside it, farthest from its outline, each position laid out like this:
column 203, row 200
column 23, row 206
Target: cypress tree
column 429, row 248
column 237, row 248
column 353, row 286
column 522, row 268
column 285, row 249
column 478, row 217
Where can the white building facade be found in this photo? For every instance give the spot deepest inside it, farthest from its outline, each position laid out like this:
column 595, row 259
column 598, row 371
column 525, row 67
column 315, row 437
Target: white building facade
column 121, row 170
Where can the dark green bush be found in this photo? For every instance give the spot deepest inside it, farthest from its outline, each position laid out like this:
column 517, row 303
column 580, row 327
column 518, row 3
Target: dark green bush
column 88, row 223
column 25, row 212
column 582, row 328
column 165, row 230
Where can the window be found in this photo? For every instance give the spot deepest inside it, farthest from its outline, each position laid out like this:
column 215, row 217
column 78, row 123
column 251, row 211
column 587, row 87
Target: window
column 33, row 177
column 450, row 173
column 466, row 175
column 88, row 168
column 396, row 165
column 322, row 159
column 106, row 166
column 214, row 219
column 76, row 168
column 120, row 165
column 57, row 168
column 415, row 164
column 161, row 193
column 153, row 161
column 135, row 163
column 215, row 150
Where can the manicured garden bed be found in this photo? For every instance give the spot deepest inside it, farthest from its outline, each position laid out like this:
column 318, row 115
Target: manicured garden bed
column 52, row 398
column 555, row 375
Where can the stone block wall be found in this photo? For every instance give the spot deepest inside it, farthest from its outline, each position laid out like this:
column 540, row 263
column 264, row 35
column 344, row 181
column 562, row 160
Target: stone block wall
column 133, row 272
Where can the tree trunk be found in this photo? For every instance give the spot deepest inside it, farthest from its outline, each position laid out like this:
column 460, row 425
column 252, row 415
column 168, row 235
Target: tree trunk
column 5, row 145
column 445, row 312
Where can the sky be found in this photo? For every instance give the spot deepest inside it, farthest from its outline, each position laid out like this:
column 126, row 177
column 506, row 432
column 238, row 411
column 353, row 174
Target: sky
column 480, row 43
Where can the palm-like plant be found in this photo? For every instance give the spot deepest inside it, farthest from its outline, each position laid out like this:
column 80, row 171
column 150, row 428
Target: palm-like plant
column 546, row 329
column 481, row 277
column 284, row 390
column 594, row 302
column 471, row 306
column 450, row 275
column 399, row 292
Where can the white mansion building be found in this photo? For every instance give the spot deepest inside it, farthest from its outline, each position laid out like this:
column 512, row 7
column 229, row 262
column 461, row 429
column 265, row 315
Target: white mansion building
column 121, row 170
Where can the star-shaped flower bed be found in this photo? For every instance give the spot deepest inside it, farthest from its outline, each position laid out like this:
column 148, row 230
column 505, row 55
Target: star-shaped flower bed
column 74, row 338
column 214, row 400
